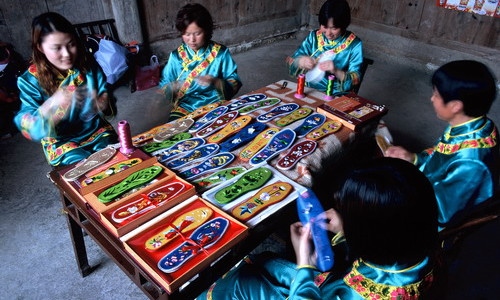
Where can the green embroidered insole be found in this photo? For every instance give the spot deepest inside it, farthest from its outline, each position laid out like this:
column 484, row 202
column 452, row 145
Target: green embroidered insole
column 135, row 179
column 250, row 181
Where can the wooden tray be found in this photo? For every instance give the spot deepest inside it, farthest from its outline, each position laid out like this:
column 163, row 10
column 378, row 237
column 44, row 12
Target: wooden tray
column 118, row 157
column 99, row 187
column 135, row 240
column 121, row 228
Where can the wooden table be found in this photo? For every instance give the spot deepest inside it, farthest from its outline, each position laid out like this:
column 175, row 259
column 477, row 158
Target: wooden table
column 82, row 219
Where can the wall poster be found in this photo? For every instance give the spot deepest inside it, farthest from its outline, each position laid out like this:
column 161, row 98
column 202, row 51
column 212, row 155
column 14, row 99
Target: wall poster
column 481, row 7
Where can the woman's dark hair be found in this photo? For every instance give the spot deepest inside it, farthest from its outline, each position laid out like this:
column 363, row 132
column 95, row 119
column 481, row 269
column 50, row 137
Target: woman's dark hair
column 198, row 14
column 468, row 81
column 338, row 10
column 389, row 212
column 42, row 26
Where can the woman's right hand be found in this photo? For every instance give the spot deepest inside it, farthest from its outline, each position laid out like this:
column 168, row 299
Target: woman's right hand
column 56, row 107
column 306, row 62
column 63, row 97
column 400, row 152
column 302, row 244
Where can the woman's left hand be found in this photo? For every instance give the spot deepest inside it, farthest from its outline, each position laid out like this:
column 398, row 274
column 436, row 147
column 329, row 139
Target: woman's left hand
column 334, row 222
column 206, row 80
column 327, row 66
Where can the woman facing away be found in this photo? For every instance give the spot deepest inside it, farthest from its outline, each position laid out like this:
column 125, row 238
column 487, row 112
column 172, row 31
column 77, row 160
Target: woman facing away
column 200, row 71
column 63, row 95
column 330, row 50
column 463, row 166
column 386, row 211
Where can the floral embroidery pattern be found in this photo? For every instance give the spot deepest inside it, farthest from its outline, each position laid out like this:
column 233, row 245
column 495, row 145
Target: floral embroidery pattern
column 369, row 289
column 96, row 134
column 53, row 152
column 343, row 46
column 354, row 77
column 201, row 66
column 320, row 278
column 32, row 70
column 487, row 142
column 179, row 111
column 27, row 122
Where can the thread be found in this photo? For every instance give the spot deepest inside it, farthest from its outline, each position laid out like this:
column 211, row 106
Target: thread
column 329, row 87
column 126, row 145
column 301, row 82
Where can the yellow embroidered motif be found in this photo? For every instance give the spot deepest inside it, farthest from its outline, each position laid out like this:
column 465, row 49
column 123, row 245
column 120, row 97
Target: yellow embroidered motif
column 344, row 45
column 486, row 142
column 369, row 289
column 199, row 68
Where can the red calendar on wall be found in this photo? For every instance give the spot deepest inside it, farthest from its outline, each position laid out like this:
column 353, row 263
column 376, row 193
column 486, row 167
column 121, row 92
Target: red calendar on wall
column 481, row 7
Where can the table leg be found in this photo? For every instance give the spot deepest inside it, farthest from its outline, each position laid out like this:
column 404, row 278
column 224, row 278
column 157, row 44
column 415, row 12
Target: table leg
column 77, row 239
column 76, row 234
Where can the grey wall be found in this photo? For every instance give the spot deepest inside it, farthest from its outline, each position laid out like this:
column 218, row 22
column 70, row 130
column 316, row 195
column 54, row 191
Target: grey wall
column 415, row 30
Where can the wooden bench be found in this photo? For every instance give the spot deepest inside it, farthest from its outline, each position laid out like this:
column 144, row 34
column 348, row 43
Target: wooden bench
column 103, row 27
column 364, row 66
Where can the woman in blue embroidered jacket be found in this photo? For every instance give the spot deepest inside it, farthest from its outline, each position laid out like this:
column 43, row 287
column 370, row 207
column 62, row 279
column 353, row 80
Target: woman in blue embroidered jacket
column 464, row 165
column 200, row 71
column 63, row 95
column 386, row 210
column 330, row 50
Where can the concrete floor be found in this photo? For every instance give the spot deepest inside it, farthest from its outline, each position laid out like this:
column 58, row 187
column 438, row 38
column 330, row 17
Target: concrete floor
column 37, row 259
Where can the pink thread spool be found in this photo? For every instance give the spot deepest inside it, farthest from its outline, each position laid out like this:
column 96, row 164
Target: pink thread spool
column 329, row 88
column 301, row 82
column 126, row 145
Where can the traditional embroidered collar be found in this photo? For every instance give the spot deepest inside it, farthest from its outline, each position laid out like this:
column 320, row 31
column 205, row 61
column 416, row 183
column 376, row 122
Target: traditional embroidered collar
column 322, row 43
column 468, row 128
column 32, row 70
column 198, row 69
column 72, row 80
column 195, row 56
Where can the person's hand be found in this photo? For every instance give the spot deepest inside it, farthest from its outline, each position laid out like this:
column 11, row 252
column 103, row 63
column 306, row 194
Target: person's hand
column 206, row 80
column 170, row 91
column 174, row 86
column 400, row 152
column 306, row 62
column 57, row 106
column 302, row 244
column 333, row 220
column 63, row 97
column 327, row 66
column 102, row 102
column 82, row 95
column 59, row 102
column 88, row 101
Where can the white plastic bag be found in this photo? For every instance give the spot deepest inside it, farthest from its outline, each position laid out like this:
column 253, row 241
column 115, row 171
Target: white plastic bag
column 112, row 58
column 315, row 75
